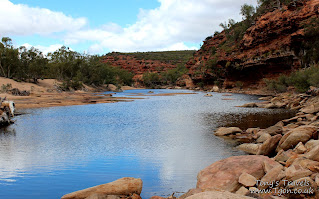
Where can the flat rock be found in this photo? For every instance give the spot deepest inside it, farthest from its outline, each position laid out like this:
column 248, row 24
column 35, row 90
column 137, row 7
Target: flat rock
column 247, row 180
column 299, row 134
column 313, row 154
column 272, row 175
column 224, row 174
column 242, row 191
column 274, row 130
column 312, row 108
column 123, row 186
column 225, row 131
column 293, row 174
column 269, row 146
column 300, row 148
column 249, row 148
column 311, row 144
column 263, row 137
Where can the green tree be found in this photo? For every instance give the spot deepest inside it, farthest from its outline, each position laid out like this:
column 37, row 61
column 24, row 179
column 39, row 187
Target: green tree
column 247, row 11
column 9, row 58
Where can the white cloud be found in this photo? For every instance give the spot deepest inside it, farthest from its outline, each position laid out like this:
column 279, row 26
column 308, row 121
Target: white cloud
column 170, row 25
column 23, row 20
column 44, row 49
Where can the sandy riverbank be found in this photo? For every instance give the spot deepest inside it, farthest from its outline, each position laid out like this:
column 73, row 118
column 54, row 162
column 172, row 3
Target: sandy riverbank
column 46, row 94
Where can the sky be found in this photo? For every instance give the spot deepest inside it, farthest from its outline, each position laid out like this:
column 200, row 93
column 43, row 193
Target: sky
column 103, row 26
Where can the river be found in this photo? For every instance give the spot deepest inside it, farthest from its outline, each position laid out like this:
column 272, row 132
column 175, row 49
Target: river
column 164, row 140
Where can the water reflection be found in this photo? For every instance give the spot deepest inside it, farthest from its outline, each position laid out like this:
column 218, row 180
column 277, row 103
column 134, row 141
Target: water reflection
column 165, row 140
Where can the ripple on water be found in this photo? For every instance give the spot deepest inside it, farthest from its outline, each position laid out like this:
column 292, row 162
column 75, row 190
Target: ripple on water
column 165, row 140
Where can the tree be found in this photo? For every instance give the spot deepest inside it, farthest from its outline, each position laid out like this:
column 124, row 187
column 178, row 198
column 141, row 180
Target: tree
column 247, row 11
column 9, row 58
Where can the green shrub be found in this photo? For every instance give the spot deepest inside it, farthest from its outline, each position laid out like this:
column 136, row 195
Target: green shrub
column 301, row 80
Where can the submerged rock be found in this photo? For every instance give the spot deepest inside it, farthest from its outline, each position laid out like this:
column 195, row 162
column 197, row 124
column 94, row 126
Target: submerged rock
column 225, row 131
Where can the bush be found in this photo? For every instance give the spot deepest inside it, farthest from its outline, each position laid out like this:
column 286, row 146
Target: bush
column 301, row 80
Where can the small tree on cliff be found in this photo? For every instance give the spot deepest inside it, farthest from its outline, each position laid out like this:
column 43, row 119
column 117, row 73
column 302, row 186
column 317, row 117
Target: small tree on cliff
column 247, row 11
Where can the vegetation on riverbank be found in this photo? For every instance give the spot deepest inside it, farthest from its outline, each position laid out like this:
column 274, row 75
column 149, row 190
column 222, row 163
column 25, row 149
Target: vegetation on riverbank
column 301, row 80
column 72, row 68
column 179, row 56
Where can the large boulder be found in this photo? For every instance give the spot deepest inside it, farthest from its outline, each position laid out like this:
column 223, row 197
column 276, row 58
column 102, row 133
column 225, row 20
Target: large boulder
column 224, row 174
column 120, row 187
column 299, row 134
column 225, row 131
column 217, row 195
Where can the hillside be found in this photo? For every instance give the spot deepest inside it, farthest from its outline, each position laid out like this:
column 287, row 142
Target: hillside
column 278, row 41
column 142, row 62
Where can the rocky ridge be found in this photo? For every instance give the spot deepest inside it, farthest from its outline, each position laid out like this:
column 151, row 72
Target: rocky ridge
column 271, row 46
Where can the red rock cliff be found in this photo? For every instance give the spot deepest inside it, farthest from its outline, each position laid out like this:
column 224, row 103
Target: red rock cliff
column 271, row 46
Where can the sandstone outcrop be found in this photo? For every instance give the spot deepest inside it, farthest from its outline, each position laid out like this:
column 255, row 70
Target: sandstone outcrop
column 121, row 188
column 224, row 174
column 268, row 48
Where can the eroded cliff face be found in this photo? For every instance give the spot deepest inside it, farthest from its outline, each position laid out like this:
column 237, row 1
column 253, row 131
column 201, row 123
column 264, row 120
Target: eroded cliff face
column 271, row 46
column 138, row 67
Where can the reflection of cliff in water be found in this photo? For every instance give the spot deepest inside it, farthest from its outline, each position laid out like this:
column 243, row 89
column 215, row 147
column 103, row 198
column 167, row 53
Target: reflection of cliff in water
column 256, row 119
column 6, row 131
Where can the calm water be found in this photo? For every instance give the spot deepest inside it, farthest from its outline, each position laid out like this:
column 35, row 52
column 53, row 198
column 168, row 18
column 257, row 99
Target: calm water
column 165, row 140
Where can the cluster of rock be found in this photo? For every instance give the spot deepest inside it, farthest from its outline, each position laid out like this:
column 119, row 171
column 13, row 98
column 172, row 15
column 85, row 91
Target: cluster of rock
column 292, row 143
column 284, row 160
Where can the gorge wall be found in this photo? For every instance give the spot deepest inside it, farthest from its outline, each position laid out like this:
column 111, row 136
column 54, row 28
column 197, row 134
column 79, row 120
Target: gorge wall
column 271, row 46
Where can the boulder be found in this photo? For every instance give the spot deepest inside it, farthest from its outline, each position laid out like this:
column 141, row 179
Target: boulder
column 249, row 148
column 305, row 163
column 252, row 131
column 312, row 108
column 271, row 106
column 313, row 154
column 283, row 156
column 250, row 105
column 215, row 89
column 247, row 180
column 225, row 131
column 269, row 146
column 157, row 197
column 293, row 174
column 224, row 174
column 217, row 195
column 299, row 134
column 123, row 186
column 272, row 175
column 300, row 148
column 263, row 137
column 243, row 191
column 311, row 144
column 303, row 184
column 274, row 130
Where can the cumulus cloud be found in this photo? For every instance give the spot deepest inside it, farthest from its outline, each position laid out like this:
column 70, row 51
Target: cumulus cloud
column 166, row 27
column 18, row 19
column 170, row 26
column 44, row 49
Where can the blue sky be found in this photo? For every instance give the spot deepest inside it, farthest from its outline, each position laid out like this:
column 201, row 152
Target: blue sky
column 102, row 26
